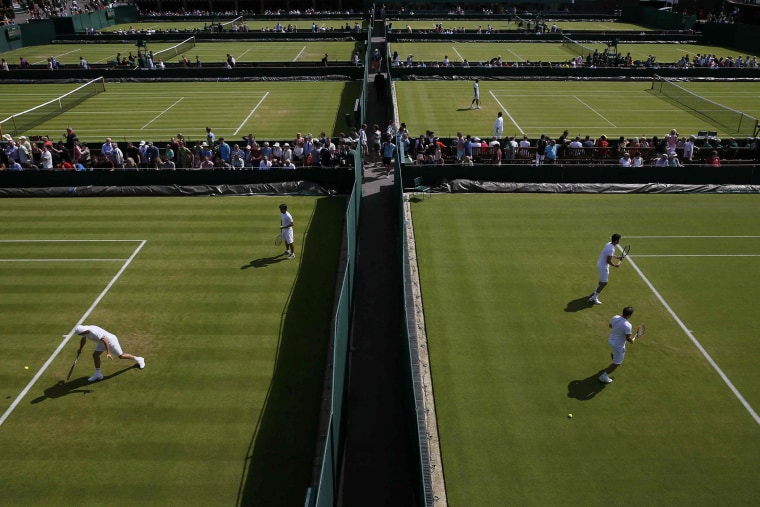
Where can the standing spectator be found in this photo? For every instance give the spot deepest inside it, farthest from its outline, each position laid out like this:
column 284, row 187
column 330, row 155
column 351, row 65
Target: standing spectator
column 152, row 155
column 713, row 159
column 620, row 334
column 550, row 153
column 541, row 150
column 603, row 264
column 388, row 150
column 24, row 152
column 475, row 95
column 83, row 63
column 185, row 157
column 637, row 161
column 23, row 64
column 379, row 86
column 671, row 141
column 689, row 149
column 498, row 126
column 210, row 137
column 107, row 149
column 324, row 60
column 117, row 157
column 4, row 66
column 169, row 152
column 377, row 138
column 286, row 229
column 46, row 158
column 131, row 152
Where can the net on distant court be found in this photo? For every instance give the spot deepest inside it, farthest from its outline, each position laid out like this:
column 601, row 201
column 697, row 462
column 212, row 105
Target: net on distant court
column 576, row 48
column 178, row 49
column 228, row 25
column 26, row 120
column 732, row 121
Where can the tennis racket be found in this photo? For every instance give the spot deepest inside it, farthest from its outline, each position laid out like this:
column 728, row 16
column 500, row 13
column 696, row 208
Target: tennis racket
column 278, row 240
column 71, row 370
column 626, row 249
column 640, row 331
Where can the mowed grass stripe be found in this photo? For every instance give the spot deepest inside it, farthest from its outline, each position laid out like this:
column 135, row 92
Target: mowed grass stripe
column 212, row 414
column 514, row 349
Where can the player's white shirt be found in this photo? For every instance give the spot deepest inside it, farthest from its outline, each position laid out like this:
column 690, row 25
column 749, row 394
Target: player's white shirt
column 498, row 125
column 476, row 90
column 96, row 333
column 608, row 250
column 620, row 328
column 286, row 219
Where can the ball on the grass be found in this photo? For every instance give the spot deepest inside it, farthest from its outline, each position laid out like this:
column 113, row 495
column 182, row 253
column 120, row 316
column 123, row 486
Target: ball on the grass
column 569, row 416
column 26, row 367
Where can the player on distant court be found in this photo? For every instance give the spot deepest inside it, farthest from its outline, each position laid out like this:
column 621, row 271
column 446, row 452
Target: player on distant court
column 476, row 95
column 498, row 126
column 620, row 334
column 286, row 229
column 107, row 342
column 603, row 265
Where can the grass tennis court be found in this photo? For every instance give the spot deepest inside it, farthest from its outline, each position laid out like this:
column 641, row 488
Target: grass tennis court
column 209, row 52
column 253, row 25
column 523, row 52
column 234, row 337
column 509, row 26
column 546, row 107
column 514, row 348
column 158, row 111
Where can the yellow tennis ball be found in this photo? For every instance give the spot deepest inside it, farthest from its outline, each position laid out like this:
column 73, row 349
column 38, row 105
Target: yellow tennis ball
column 569, row 416
column 26, row 367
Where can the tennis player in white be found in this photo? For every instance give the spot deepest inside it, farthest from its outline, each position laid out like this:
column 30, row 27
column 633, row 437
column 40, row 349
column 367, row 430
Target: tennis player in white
column 286, row 228
column 498, row 126
column 603, row 266
column 620, row 334
column 476, row 95
column 108, row 343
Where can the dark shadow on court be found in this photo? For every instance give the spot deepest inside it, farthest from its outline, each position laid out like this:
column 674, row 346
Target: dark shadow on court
column 576, row 305
column 586, row 389
column 277, row 467
column 76, row 386
column 264, row 262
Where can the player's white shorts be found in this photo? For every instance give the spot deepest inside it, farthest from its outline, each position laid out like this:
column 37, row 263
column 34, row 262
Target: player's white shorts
column 604, row 273
column 113, row 343
column 287, row 235
column 618, row 353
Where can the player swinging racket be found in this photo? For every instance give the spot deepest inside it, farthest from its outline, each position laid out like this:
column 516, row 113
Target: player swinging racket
column 286, row 229
column 107, row 342
column 603, row 266
column 620, row 334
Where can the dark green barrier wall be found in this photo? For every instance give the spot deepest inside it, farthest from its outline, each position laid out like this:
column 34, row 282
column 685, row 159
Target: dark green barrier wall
column 10, row 41
column 743, row 37
column 663, row 20
column 688, row 175
column 38, row 31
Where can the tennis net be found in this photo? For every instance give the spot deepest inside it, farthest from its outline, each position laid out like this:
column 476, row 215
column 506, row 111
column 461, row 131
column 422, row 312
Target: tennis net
column 576, row 48
column 732, row 121
column 178, row 49
column 27, row 120
column 228, row 25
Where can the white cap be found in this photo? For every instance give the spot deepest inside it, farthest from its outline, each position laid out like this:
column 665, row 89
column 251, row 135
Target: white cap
column 80, row 329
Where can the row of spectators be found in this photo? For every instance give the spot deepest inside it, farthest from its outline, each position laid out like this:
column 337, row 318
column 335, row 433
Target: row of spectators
column 72, row 154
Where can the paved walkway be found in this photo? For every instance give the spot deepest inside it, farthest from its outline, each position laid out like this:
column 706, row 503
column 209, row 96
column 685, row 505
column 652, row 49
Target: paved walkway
column 377, row 470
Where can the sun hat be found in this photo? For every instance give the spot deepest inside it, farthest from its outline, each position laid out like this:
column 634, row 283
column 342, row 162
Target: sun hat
column 80, row 329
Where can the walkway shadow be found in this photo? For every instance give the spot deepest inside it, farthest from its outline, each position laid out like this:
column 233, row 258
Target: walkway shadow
column 576, row 305
column 62, row 388
column 264, row 262
column 586, row 389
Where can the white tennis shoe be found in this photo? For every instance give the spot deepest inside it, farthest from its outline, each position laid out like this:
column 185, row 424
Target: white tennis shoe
column 605, row 378
column 595, row 301
column 96, row 377
column 291, row 256
column 140, row 362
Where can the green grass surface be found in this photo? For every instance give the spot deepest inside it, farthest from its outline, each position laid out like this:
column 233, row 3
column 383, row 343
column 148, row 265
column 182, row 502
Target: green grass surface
column 508, row 26
column 158, row 111
column 253, row 25
column 208, row 52
column 546, row 51
column 514, row 348
column 546, row 107
column 234, row 336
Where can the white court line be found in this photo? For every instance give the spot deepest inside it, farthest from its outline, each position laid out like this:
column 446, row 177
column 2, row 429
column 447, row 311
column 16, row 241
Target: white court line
column 162, row 113
column 299, row 53
column 595, row 111
column 458, row 53
column 243, row 54
column 56, row 56
column 696, row 343
column 689, row 237
column 62, row 260
column 250, row 114
column 44, row 367
column 698, row 255
column 505, row 110
column 516, row 55
column 69, row 240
